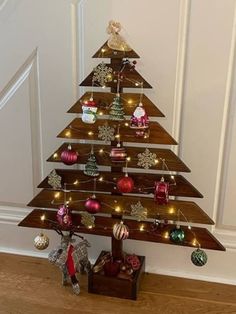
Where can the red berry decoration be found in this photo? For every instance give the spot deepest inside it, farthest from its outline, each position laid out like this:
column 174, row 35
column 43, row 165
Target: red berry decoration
column 161, row 192
column 64, row 217
column 69, row 156
column 111, row 268
column 93, row 205
column 125, row 184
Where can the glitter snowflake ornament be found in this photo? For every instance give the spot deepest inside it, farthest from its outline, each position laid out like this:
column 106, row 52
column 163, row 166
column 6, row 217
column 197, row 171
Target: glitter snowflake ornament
column 54, row 180
column 87, row 219
column 138, row 211
column 106, row 133
column 102, row 74
column 146, row 159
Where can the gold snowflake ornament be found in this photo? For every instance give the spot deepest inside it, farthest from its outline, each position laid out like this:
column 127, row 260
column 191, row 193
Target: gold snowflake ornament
column 106, row 133
column 54, row 180
column 138, row 211
column 87, row 220
column 146, row 159
column 102, row 74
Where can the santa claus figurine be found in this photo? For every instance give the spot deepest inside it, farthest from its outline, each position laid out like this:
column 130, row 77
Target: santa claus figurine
column 139, row 119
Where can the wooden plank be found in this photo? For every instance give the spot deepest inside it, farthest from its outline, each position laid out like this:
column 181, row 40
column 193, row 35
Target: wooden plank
column 144, row 183
column 172, row 161
column 104, row 225
column 77, row 130
column 133, row 77
column 113, row 204
column 106, row 52
column 129, row 100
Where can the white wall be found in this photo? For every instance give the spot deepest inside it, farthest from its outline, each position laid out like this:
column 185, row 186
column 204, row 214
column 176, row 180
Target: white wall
column 187, row 51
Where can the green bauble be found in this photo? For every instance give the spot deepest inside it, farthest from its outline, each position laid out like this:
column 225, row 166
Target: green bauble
column 177, row 235
column 199, row 257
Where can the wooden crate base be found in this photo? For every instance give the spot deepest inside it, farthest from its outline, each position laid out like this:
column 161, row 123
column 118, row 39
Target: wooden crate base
column 99, row 283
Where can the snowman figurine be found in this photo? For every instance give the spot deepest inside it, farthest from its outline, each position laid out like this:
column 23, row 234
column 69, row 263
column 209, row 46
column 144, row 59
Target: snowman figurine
column 89, row 111
column 139, row 119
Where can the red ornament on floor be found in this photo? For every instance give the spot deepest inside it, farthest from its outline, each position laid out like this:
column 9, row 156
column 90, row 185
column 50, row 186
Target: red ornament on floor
column 125, row 184
column 69, row 156
column 161, row 192
column 111, row 268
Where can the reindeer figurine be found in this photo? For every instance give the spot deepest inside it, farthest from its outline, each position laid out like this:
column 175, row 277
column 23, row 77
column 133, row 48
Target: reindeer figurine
column 71, row 258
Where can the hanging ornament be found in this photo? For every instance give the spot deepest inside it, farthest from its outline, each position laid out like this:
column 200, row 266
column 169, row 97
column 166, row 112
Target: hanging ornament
column 91, row 168
column 118, row 154
column 138, row 211
column 125, row 184
column 41, row 241
column 120, row 231
column 161, row 192
column 69, row 156
column 116, row 112
column 93, row 205
column 54, row 180
column 89, row 111
column 64, row 217
column 116, row 41
column 146, row 159
column 106, row 133
column 199, row 257
column 87, row 220
column 177, row 235
column 102, row 74
column 139, row 119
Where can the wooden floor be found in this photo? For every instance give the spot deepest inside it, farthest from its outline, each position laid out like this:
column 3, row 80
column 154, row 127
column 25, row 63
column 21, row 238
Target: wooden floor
column 32, row 285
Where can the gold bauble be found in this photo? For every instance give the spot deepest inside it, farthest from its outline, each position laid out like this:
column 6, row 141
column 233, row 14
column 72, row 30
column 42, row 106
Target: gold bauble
column 41, row 242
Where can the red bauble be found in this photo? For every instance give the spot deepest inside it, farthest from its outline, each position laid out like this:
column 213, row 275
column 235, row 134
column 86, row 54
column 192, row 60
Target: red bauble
column 69, row 156
column 161, row 192
column 111, row 268
column 92, row 205
column 64, row 217
column 125, row 184
column 118, row 154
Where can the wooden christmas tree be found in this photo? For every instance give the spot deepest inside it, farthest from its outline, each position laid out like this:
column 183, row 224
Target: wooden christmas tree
column 133, row 205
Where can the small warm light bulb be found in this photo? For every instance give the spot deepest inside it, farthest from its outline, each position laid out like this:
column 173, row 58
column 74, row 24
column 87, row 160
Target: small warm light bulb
column 104, row 86
column 42, row 217
column 172, row 177
column 57, row 195
column 117, row 136
column 117, row 209
column 141, row 228
column 90, row 133
column 101, row 151
column 130, row 101
column 194, row 242
column 136, row 84
column 90, row 227
column 68, row 134
column 126, row 124
column 171, row 210
column 70, row 199
column 100, row 113
column 166, row 235
column 100, row 179
column 103, row 50
column 156, row 161
column 128, row 158
column 76, row 182
column 55, row 155
column 189, row 227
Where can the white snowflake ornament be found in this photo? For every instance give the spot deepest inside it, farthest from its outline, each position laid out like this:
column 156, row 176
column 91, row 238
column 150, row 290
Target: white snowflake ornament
column 138, row 211
column 146, row 159
column 102, row 74
column 106, row 133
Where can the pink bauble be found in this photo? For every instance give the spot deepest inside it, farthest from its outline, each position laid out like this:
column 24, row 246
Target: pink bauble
column 125, row 184
column 64, row 217
column 69, row 156
column 92, row 205
column 118, row 154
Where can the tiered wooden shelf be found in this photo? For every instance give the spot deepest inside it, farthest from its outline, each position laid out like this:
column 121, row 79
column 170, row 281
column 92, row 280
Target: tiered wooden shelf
column 77, row 187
